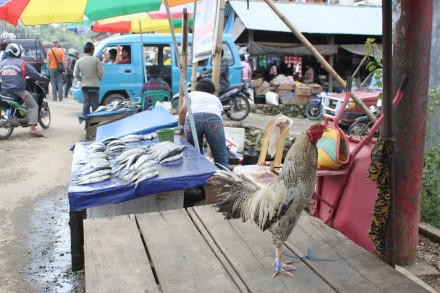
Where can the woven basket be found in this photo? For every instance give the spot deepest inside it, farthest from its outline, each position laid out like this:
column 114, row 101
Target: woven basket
column 333, row 152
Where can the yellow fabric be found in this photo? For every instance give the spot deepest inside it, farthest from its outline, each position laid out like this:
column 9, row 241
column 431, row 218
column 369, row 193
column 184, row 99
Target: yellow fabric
column 149, row 25
column 146, row 23
column 36, row 11
column 177, row 2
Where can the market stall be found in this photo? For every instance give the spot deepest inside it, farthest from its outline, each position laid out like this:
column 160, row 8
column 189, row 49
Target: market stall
column 192, row 170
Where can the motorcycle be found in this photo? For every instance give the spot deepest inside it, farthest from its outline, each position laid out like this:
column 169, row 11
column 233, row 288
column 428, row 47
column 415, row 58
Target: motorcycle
column 234, row 99
column 361, row 127
column 314, row 109
column 13, row 112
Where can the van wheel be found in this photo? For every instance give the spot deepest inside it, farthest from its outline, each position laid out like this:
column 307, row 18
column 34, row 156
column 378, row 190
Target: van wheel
column 114, row 97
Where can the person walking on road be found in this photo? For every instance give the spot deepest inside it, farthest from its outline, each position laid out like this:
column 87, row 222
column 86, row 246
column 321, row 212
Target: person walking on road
column 13, row 72
column 69, row 64
column 55, row 56
column 89, row 71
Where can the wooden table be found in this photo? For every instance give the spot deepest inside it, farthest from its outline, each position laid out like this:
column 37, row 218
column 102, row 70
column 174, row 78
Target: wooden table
column 196, row 250
column 93, row 122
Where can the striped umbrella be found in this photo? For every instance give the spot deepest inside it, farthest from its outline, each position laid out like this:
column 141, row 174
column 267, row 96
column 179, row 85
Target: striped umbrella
column 34, row 12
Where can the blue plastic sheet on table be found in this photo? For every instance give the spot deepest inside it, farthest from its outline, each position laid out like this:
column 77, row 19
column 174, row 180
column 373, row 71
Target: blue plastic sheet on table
column 139, row 123
column 190, row 171
column 106, row 113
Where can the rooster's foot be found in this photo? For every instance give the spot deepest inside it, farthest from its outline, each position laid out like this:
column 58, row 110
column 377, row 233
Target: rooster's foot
column 283, row 268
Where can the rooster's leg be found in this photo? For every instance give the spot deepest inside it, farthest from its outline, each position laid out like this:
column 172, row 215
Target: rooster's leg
column 281, row 267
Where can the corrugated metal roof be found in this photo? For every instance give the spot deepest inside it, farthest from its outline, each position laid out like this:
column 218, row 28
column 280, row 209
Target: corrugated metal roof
column 311, row 18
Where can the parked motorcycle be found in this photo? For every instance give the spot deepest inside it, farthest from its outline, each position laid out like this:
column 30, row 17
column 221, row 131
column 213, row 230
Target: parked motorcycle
column 361, row 127
column 13, row 112
column 234, row 99
column 314, row 110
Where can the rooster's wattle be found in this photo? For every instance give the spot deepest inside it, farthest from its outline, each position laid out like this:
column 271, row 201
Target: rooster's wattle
column 278, row 206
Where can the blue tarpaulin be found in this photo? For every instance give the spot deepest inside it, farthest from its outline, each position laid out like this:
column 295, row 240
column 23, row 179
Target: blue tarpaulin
column 139, row 123
column 107, row 113
column 191, row 171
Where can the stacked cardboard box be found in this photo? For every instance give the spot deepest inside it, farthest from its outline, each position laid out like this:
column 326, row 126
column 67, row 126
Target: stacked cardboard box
column 262, row 89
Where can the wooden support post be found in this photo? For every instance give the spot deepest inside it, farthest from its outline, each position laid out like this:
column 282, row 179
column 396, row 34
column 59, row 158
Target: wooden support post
column 218, row 47
column 184, row 54
column 77, row 239
column 412, row 37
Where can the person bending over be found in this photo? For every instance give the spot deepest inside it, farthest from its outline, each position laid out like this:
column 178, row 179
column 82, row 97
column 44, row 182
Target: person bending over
column 207, row 113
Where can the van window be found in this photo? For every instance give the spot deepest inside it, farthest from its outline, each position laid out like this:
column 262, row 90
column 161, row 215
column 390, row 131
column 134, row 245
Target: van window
column 227, row 54
column 159, row 55
column 108, row 55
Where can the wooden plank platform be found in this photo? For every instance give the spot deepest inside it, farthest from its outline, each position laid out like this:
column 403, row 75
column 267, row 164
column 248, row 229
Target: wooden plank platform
column 196, row 250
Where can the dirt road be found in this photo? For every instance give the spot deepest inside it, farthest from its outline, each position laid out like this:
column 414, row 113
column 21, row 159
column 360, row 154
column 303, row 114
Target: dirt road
column 34, row 175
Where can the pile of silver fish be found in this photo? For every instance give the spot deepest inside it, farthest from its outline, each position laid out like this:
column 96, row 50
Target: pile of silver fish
column 118, row 105
column 95, row 166
column 120, row 158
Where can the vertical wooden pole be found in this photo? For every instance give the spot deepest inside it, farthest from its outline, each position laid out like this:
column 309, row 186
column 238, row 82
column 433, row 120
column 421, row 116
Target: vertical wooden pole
column 195, row 64
column 411, row 56
column 184, row 54
column 218, row 47
column 387, row 107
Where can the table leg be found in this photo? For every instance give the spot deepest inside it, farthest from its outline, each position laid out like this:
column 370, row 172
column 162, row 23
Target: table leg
column 77, row 239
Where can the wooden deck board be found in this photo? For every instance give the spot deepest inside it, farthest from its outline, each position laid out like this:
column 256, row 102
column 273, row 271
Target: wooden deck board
column 359, row 270
column 182, row 260
column 196, row 250
column 115, row 258
column 223, row 260
column 251, row 252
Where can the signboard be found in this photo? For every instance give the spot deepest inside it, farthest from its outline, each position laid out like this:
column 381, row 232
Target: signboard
column 204, row 29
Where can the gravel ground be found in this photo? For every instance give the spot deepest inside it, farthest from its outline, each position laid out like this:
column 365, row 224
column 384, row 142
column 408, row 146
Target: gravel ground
column 428, row 251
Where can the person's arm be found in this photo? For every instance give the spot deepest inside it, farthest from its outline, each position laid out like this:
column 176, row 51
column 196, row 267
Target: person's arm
column 118, row 54
column 48, row 58
column 100, row 68
column 33, row 73
column 167, row 87
column 76, row 71
column 182, row 114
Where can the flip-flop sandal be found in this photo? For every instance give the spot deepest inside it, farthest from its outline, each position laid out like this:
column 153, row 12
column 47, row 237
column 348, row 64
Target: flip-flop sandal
column 37, row 134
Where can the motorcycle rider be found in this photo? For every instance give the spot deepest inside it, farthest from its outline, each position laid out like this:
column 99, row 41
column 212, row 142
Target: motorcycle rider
column 13, row 72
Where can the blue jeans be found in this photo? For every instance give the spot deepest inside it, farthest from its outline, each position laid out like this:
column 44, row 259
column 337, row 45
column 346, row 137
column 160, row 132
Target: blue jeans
column 69, row 81
column 56, row 79
column 91, row 97
column 211, row 126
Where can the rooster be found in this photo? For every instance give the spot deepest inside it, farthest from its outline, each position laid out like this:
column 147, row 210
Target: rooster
column 278, row 206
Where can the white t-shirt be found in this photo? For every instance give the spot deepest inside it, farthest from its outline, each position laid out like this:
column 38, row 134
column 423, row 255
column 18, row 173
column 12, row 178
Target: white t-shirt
column 202, row 102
